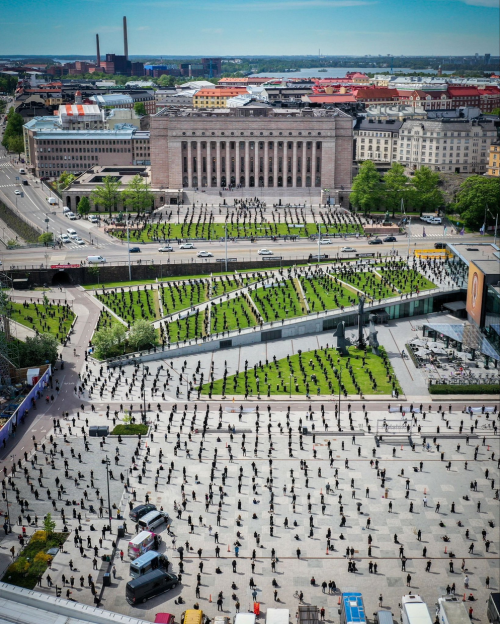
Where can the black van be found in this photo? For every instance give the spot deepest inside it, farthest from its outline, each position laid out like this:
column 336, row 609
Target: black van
column 149, row 585
column 141, row 510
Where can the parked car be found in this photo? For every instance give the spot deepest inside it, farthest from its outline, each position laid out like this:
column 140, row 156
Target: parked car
column 326, row 241
column 141, row 510
column 135, row 250
column 435, row 221
column 166, row 248
column 79, row 241
column 375, row 241
column 439, row 245
column 93, row 219
column 390, row 239
column 265, row 252
column 205, row 254
column 347, row 250
column 187, row 246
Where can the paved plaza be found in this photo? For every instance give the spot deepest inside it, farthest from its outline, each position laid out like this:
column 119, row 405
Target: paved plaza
column 301, row 507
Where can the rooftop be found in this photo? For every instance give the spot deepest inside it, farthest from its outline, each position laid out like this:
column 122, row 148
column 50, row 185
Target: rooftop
column 476, row 252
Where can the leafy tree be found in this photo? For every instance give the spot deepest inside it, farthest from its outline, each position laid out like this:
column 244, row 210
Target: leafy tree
column 65, row 179
column 142, row 335
column 137, row 196
column 426, row 194
column 38, row 350
column 83, row 207
column 496, row 111
column 366, row 187
column 16, row 144
column 140, row 109
column 166, row 81
column 108, row 194
column 396, row 185
column 49, row 525
column 14, row 128
column 475, row 195
column 46, row 238
column 106, row 340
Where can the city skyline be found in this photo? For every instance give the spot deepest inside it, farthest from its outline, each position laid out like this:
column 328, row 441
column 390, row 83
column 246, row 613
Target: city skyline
column 283, row 27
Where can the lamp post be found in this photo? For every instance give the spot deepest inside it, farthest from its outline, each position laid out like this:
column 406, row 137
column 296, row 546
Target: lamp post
column 107, row 461
column 225, row 241
column 128, row 245
column 340, row 384
column 409, row 236
column 319, row 242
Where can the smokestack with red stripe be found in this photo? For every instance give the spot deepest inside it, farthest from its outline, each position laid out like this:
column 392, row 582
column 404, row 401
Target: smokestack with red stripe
column 98, row 52
column 125, row 38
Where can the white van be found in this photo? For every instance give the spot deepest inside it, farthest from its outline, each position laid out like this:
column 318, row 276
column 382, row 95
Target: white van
column 245, row 618
column 66, row 209
column 95, row 259
column 52, row 201
column 72, row 233
column 414, row 610
column 152, row 520
column 22, row 170
column 93, row 219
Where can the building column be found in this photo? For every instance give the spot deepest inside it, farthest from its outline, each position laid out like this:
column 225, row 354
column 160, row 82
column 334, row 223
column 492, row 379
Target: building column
column 190, row 165
column 285, row 163
column 313, row 165
column 247, row 163
column 275, row 164
column 304, row 163
column 217, row 162
column 237, row 172
column 294, row 164
column 266, row 162
column 228, row 164
column 209, row 164
column 199, row 164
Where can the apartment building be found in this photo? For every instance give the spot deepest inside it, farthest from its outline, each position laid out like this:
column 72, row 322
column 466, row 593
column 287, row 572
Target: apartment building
column 376, row 140
column 494, row 160
column 454, row 145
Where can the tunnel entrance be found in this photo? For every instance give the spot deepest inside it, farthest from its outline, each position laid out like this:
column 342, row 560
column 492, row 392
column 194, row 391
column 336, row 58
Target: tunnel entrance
column 61, row 278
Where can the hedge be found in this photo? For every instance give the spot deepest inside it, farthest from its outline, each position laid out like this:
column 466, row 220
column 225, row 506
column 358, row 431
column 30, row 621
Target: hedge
column 470, row 389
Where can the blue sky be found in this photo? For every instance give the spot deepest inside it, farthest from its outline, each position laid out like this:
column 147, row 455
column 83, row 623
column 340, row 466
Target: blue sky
column 245, row 27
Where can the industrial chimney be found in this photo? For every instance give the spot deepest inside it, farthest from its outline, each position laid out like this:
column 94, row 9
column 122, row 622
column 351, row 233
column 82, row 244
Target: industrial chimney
column 98, row 53
column 125, row 38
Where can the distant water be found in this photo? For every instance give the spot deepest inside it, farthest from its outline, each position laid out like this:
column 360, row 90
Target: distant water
column 340, row 72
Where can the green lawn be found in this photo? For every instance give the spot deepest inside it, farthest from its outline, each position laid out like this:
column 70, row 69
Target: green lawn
column 274, row 377
column 131, row 305
column 106, row 320
column 52, row 319
column 369, row 283
column 279, row 301
column 213, row 231
column 322, row 293
column 181, row 295
column 130, row 430
column 193, row 326
column 233, row 314
column 406, row 280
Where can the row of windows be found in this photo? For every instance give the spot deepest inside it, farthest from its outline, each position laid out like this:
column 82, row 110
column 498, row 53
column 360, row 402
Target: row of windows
column 251, row 145
column 251, row 133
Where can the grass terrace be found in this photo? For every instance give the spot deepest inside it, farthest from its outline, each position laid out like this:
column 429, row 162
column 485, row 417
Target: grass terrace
column 369, row 283
column 235, row 313
column 193, row 326
column 312, row 373
column 43, row 318
column 406, row 280
column 322, row 293
column 280, row 300
column 184, row 294
column 131, row 305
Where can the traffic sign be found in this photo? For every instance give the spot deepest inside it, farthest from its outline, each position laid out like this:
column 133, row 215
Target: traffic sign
column 223, row 259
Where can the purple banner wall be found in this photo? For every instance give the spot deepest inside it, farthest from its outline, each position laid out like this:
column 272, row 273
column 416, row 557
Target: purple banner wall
column 35, row 393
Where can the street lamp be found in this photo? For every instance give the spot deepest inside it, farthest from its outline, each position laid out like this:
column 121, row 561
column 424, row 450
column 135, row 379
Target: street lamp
column 107, row 461
column 340, row 384
column 496, row 224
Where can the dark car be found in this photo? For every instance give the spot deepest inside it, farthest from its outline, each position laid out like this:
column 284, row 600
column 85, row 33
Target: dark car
column 141, row 510
column 390, row 239
column 439, row 245
column 375, row 241
column 149, row 585
column 135, row 250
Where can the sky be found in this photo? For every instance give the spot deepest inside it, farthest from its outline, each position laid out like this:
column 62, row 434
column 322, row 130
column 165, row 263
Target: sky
column 251, row 27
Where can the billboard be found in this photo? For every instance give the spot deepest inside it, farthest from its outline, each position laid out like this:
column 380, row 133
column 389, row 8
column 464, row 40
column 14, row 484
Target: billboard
column 475, row 292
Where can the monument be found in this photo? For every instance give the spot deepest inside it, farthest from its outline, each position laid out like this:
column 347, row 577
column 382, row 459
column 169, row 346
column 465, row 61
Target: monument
column 342, row 341
column 372, row 338
column 361, row 307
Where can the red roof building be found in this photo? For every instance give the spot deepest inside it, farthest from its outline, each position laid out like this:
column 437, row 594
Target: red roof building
column 464, row 96
column 489, row 98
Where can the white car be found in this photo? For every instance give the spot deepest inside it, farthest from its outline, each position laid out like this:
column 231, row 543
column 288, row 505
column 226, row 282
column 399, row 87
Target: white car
column 69, row 214
column 64, row 238
column 17, row 192
column 72, row 217
column 93, row 219
column 166, row 248
column 347, row 250
column 187, row 246
column 79, row 241
column 265, row 252
column 326, row 241
column 205, row 254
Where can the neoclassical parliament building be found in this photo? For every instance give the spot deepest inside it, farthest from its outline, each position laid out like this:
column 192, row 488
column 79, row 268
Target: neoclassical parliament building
column 286, row 152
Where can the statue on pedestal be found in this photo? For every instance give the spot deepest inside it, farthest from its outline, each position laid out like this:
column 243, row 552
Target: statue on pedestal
column 342, row 341
column 372, row 338
column 387, row 221
column 361, row 307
